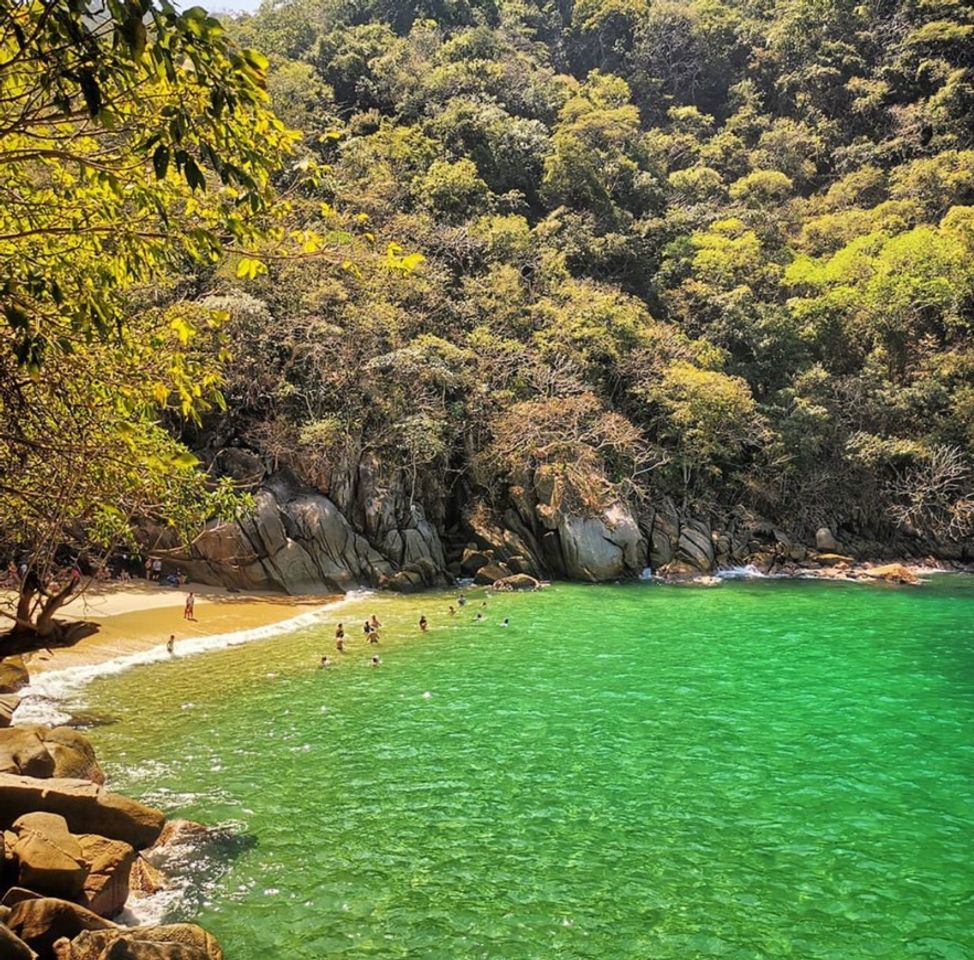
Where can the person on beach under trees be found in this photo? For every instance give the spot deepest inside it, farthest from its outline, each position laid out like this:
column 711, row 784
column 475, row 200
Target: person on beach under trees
column 188, row 613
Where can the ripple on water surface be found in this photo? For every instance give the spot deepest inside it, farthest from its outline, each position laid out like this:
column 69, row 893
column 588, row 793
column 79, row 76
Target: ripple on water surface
column 747, row 771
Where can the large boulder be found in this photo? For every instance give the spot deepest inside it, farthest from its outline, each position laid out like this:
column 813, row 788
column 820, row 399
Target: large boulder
column 74, row 756
column 174, row 941
column 12, row 947
column 85, row 806
column 49, row 859
column 39, row 751
column 22, row 751
column 42, row 921
column 605, row 547
column 517, row 581
column 825, row 542
column 106, row 888
column 491, row 573
column 13, row 675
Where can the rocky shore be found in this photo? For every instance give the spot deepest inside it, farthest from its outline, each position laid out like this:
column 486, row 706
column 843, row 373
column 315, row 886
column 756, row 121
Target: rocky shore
column 365, row 530
column 74, row 852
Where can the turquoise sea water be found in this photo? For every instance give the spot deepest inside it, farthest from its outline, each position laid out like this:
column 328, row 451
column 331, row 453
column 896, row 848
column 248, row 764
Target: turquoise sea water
column 761, row 769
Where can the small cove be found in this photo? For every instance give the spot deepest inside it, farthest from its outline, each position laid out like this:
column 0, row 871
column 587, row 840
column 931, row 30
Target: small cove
column 752, row 770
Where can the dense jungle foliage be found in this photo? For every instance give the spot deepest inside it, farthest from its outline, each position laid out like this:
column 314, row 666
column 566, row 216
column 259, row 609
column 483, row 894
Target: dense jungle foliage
column 718, row 249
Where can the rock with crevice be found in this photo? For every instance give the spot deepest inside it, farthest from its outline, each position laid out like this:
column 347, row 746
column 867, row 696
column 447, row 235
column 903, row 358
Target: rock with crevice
column 12, row 947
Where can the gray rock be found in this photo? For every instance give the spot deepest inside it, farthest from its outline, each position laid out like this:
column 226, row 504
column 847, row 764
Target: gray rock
column 825, row 542
column 695, row 546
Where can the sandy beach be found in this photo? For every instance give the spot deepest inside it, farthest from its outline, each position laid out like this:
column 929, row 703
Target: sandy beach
column 137, row 615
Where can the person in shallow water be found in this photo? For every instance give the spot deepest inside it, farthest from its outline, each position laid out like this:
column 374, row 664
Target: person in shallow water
column 462, row 600
column 453, row 610
column 376, row 623
column 340, row 639
column 506, row 622
column 423, row 624
column 479, row 618
column 325, row 662
column 374, row 662
column 171, row 644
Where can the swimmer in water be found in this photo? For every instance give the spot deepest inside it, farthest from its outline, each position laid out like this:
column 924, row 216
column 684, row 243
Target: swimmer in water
column 479, row 618
column 171, row 644
column 376, row 623
column 453, row 610
column 462, row 600
column 423, row 624
column 325, row 662
column 374, row 662
column 506, row 622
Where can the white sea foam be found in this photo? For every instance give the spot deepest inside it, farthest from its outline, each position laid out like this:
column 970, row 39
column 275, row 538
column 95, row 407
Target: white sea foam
column 750, row 572
column 40, row 700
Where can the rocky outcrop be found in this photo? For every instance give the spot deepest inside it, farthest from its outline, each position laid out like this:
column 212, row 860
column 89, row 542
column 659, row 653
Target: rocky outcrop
column 38, row 751
column 175, row 941
column 297, row 540
column 86, row 807
column 48, row 857
column 41, row 921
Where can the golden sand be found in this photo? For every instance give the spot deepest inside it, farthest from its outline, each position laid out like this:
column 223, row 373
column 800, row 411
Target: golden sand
column 137, row 615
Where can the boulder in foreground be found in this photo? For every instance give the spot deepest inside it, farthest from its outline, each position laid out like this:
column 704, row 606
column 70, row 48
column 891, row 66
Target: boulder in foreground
column 86, row 807
column 175, row 941
column 41, row 922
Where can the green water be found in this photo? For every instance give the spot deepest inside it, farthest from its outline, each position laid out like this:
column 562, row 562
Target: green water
column 770, row 769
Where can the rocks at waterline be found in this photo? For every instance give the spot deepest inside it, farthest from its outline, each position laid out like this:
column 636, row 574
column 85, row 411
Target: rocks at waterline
column 892, row 573
column 41, row 921
column 8, row 707
column 87, row 808
column 13, row 675
column 174, row 941
column 39, row 751
column 68, row 880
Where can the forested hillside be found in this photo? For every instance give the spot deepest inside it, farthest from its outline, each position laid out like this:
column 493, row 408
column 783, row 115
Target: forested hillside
column 713, row 254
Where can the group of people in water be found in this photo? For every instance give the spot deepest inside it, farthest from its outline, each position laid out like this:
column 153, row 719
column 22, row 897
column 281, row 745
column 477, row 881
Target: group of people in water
column 371, row 630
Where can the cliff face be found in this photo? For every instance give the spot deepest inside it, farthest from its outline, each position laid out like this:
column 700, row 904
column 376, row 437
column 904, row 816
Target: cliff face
column 371, row 531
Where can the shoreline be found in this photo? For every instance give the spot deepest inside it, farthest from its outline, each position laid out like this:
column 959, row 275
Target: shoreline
column 135, row 617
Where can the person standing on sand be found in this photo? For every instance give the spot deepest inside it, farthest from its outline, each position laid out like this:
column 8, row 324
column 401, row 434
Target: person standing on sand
column 190, row 607
column 171, row 644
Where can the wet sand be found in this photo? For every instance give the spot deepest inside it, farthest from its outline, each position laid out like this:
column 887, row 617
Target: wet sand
column 137, row 615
